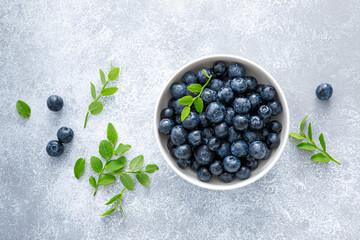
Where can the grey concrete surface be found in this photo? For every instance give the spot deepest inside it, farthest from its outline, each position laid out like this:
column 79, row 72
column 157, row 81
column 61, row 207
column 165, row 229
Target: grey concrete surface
column 56, row 47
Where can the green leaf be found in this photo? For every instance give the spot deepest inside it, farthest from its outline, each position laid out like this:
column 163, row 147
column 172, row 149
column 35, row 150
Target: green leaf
column 113, row 74
column 105, row 149
column 205, row 73
column 185, row 113
column 23, row 109
column 298, row 136
column 79, row 167
column 111, row 133
column 127, row 181
column 322, row 141
column 122, row 148
column 310, row 131
column 108, row 212
column 150, row 168
column 107, row 179
column 96, row 107
column 96, row 164
column 143, row 179
column 137, row 163
column 113, row 199
column 194, row 88
column 123, row 160
column 319, row 157
column 199, row 105
column 93, row 91
column 92, row 181
column 302, row 124
column 306, row 146
column 102, row 76
column 114, row 165
column 187, row 100
column 109, row 91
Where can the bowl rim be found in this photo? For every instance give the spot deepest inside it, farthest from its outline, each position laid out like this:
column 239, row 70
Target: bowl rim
column 274, row 158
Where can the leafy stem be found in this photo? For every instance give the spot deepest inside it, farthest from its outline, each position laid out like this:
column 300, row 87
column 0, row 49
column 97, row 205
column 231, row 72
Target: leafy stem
column 100, row 174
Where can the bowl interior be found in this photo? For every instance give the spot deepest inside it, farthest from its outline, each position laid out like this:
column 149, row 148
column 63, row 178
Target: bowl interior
column 263, row 77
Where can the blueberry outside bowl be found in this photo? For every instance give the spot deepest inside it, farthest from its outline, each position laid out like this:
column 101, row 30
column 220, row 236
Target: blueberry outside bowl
column 263, row 77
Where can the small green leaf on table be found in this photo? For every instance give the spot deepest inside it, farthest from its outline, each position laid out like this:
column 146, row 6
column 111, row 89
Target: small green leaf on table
column 107, row 179
column 322, row 141
column 122, row 148
column 79, row 167
column 96, row 164
column 319, row 157
column 127, row 181
column 92, row 181
column 102, row 76
column 298, row 136
column 93, row 91
column 105, row 149
column 109, row 91
column 111, row 133
column 150, row 168
column 143, row 179
column 23, row 109
column 108, row 212
column 306, row 146
column 137, row 163
column 113, row 199
column 96, row 107
column 114, row 74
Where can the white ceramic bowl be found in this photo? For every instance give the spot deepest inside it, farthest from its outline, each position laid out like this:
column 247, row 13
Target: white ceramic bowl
column 252, row 69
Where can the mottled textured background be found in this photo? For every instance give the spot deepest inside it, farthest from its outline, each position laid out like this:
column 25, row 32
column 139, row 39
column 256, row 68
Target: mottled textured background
column 56, row 47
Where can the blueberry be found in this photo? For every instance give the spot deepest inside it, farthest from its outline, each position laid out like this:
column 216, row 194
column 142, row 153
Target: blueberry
column 276, row 107
column 216, row 168
column 257, row 149
column 267, row 155
column 268, row 93
column 324, row 91
column 170, row 144
column 259, row 88
column 252, row 165
column 202, row 78
column 236, row 70
column 215, row 112
column 221, row 130
column 204, row 174
column 239, row 148
column 55, row 103
column 183, row 152
column 225, row 95
column 214, row 143
column 229, row 115
column 202, row 120
column 178, row 107
column 219, row 68
column 195, row 138
column 204, row 155
column 264, row 111
column 239, row 85
column 249, row 158
column 227, row 82
column 178, row 90
column 165, row 126
column 167, row 113
column 273, row 140
column 191, row 121
column 208, row 95
column 178, row 119
column 195, row 165
column 178, row 135
column 250, row 136
column 275, row 126
column 208, row 133
column 55, row 148
column 65, row 134
column 226, row 177
column 231, row 164
column 255, row 100
column 224, row 150
column 256, row 123
column 190, row 78
column 216, row 84
column 242, row 105
column 251, row 83
column 171, row 103
column 233, row 135
column 243, row 173
column 241, row 122
column 183, row 163
column 264, row 133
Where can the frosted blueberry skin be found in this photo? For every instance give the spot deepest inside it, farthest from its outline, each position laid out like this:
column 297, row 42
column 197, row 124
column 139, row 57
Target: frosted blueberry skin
column 229, row 115
column 178, row 90
column 204, row 155
column 190, row 78
column 276, row 107
column 208, row 133
column 165, row 126
column 236, row 70
column 268, row 93
column 178, row 120
column 178, row 135
column 243, row 173
column 195, row 138
column 216, row 168
column 204, row 174
column 264, row 112
column 275, row 126
column 252, row 136
column 215, row 112
column 255, row 100
column 178, row 107
column 252, row 165
column 251, row 83
column 195, row 165
column 267, row 155
column 240, row 122
column 183, row 163
column 171, row 103
column 208, row 95
column 203, row 122
column 55, row 103
column 259, row 88
column 233, row 135
column 183, row 152
column 214, row 143
column 242, row 105
column 257, row 149
column 167, row 113
column 256, row 123
column 239, row 148
column 219, row 68
column 225, row 95
column 55, row 148
column 226, row 177
column 216, row 84
column 231, row 164
column 221, row 130
column 65, row 134
column 202, row 78
column 273, row 140
column 324, row 91
column 224, row 150
column 191, row 121
column 239, row 85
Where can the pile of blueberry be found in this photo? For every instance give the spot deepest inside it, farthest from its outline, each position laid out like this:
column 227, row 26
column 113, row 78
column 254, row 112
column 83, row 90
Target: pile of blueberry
column 234, row 132
column 65, row 134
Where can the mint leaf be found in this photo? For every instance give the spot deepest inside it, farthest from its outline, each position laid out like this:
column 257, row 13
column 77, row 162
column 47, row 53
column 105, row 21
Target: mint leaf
column 114, row 74
column 96, row 107
column 23, row 109
column 114, row 165
column 306, row 146
column 322, row 141
column 187, row 100
column 127, row 181
column 92, row 181
column 108, row 212
column 113, row 199
column 199, row 105
column 298, row 136
column 194, row 88
column 111, row 133
column 143, row 179
column 319, row 157
column 185, row 113
column 122, row 148
column 107, row 179
column 109, row 91
column 137, row 163
column 93, row 91
column 96, row 164
column 302, row 124
column 79, row 167
column 150, row 168
column 310, row 131
column 105, row 149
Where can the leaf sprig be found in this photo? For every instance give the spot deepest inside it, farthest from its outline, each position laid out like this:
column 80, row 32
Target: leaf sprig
column 323, row 155
column 188, row 101
column 107, row 171
column 96, row 106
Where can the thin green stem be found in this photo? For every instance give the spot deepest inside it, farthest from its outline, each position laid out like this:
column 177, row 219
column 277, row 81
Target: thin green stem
column 119, row 202
column 100, row 174
column 127, row 172
column 202, row 88
column 321, row 150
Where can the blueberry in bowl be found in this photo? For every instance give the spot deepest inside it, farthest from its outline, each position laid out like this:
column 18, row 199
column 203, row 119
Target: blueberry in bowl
column 232, row 128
